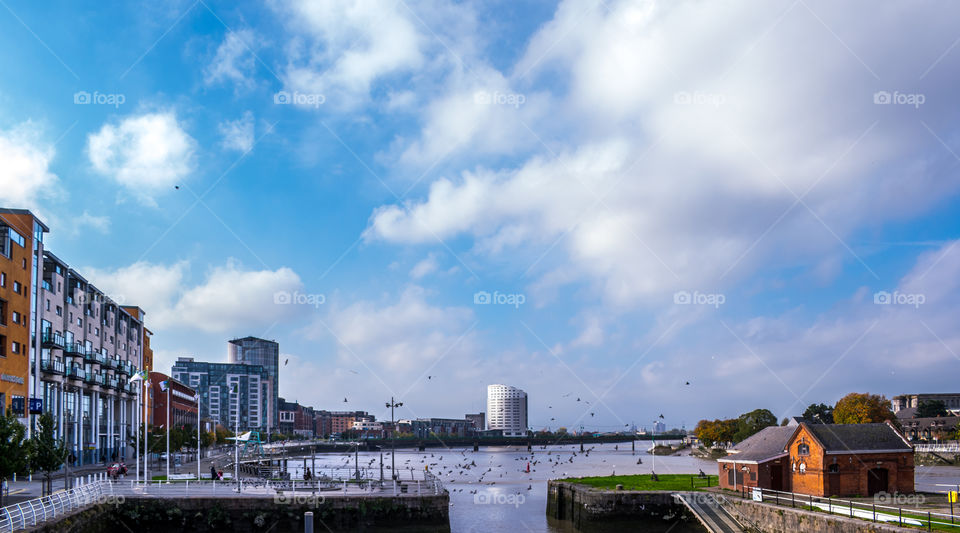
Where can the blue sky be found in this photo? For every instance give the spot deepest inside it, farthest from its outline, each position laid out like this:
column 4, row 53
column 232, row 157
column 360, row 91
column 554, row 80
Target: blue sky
column 384, row 162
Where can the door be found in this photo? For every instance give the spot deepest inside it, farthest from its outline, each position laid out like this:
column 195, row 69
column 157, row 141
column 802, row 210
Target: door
column 877, row 481
column 730, row 479
column 776, row 476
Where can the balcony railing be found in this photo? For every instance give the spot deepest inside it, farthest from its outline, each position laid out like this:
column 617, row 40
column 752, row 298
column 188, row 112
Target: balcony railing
column 113, row 383
column 53, row 339
column 76, row 372
column 53, row 367
column 124, row 367
column 99, row 379
column 75, row 348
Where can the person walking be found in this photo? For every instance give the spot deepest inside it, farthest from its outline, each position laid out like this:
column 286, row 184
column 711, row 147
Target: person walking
column 213, row 473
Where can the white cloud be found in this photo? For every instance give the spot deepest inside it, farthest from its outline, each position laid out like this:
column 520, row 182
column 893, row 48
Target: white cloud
column 230, row 299
column 669, row 164
column 145, row 154
column 342, row 48
column 234, row 61
column 100, row 223
column 238, row 134
column 25, row 176
column 426, row 266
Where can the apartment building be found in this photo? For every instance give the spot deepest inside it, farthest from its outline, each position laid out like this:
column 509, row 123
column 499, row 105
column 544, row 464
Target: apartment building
column 336, row 422
column 256, row 351
column 230, row 394
column 507, row 410
column 65, row 346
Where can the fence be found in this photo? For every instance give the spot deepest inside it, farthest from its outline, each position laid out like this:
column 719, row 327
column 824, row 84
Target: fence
column 32, row 512
column 944, row 448
column 871, row 511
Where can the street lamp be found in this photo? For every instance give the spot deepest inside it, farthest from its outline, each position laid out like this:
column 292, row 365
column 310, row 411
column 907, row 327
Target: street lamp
column 393, row 432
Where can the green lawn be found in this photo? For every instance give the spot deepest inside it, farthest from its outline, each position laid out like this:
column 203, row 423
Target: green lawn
column 646, row 482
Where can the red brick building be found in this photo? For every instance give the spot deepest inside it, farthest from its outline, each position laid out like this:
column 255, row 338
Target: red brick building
column 759, row 461
column 850, row 460
column 183, row 406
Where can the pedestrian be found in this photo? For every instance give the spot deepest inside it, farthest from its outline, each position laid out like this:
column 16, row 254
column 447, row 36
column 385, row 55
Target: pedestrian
column 213, row 473
column 220, row 475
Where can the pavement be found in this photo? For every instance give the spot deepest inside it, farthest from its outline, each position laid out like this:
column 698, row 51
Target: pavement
column 25, row 489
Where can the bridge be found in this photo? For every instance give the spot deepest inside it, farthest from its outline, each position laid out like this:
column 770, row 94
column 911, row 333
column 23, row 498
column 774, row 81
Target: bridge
column 709, row 512
column 937, row 448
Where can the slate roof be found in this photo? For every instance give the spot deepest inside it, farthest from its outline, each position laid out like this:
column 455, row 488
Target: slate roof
column 858, row 437
column 764, row 445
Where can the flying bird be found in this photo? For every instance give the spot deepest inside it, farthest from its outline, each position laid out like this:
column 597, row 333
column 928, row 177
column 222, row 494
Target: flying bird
column 286, row 361
column 661, row 416
column 345, row 401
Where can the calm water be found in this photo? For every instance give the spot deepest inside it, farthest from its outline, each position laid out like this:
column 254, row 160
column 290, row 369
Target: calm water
column 498, row 494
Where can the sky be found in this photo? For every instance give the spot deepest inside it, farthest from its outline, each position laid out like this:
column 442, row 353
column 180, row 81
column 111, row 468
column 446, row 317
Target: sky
column 681, row 208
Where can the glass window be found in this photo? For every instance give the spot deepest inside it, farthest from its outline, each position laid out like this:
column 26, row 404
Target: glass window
column 803, row 449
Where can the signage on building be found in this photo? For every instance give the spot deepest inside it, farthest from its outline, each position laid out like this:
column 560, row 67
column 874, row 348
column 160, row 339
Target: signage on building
column 12, row 379
column 36, row 406
column 757, row 494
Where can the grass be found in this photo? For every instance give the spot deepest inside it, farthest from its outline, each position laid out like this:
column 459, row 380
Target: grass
column 646, row 482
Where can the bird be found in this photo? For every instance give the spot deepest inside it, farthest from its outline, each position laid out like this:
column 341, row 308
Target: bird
column 661, row 416
column 345, row 401
column 429, row 377
column 177, row 187
column 591, row 414
column 286, row 361
column 688, row 383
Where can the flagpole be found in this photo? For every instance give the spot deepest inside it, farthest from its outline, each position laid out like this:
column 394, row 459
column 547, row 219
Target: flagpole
column 168, row 431
column 236, row 443
column 146, row 440
column 136, row 430
column 197, row 399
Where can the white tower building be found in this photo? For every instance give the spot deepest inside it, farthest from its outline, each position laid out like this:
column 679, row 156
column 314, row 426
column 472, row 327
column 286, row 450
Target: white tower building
column 507, row 410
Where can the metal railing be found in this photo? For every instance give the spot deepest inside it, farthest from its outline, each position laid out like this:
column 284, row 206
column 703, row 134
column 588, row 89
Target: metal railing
column 260, row 488
column 30, row 513
column 946, row 448
column 870, row 511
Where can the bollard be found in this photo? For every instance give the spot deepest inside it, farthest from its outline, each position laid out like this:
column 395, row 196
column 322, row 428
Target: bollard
column 308, row 522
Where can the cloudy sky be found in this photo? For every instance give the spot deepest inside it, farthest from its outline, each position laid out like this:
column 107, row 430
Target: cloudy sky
column 684, row 208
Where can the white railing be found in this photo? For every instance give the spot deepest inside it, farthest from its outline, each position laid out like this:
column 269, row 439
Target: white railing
column 269, row 488
column 33, row 512
column 944, row 448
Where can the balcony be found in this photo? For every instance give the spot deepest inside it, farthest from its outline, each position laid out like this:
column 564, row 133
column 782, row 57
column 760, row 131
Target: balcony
column 53, row 339
column 112, row 362
column 124, row 367
column 75, row 348
column 52, row 367
column 113, row 383
column 76, row 372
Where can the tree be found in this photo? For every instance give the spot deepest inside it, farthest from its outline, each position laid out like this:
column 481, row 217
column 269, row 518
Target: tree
column 47, row 453
column 715, row 431
column 14, row 456
column 863, row 408
column 819, row 412
column 750, row 423
column 930, row 409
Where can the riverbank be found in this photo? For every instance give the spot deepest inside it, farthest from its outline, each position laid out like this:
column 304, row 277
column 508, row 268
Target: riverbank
column 586, row 508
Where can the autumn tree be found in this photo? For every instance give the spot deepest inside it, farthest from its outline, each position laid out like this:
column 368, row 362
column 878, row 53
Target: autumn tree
column 863, row 408
column 751, row 423
column 930, row 409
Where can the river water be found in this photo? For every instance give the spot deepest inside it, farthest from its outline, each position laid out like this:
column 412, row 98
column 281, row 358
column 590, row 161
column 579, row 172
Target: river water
column 498, row 494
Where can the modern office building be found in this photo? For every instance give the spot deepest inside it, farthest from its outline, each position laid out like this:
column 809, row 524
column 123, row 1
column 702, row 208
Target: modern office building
column 183, row 403
column 65, row 346
column 479, row 421
column 254, row 351
column 229, row 393
column 507, row 410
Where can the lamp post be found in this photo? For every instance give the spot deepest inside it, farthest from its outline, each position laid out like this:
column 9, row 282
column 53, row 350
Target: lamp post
column 393, row 432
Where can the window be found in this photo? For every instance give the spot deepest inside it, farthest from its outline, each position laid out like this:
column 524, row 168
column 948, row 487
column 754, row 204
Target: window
column 3, row 345
column 3, row 279
column 3, row 313
column 59, row 311
column 80, row 322
column 803, row 449
column 15, row 347
column 16, row 237
column 15, row 316
column 48, row 305
column 16, row 287
column 834, row 468
column 24, row 263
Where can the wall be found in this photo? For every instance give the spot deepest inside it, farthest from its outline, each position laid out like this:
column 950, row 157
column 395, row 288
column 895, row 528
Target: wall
column 585, row 508
column 773, row 519
column 16, row 365
column 249, row 515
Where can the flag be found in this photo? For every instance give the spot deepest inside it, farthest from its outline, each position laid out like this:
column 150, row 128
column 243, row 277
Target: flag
column 164, row 385
column 138, row 376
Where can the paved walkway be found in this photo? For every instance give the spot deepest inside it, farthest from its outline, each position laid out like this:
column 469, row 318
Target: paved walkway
column 705, row 507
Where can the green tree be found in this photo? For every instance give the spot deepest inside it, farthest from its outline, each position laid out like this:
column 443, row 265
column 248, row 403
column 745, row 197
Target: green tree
column 47, row 453
column 819, row 413
column 930, row 409
column 863, row 408
column 750, row 423
column 14, row 449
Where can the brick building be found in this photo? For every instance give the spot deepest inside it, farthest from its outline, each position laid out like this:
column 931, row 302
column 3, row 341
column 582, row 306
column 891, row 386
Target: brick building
column 822, row 460
column 759, row 461
column 183, row 404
